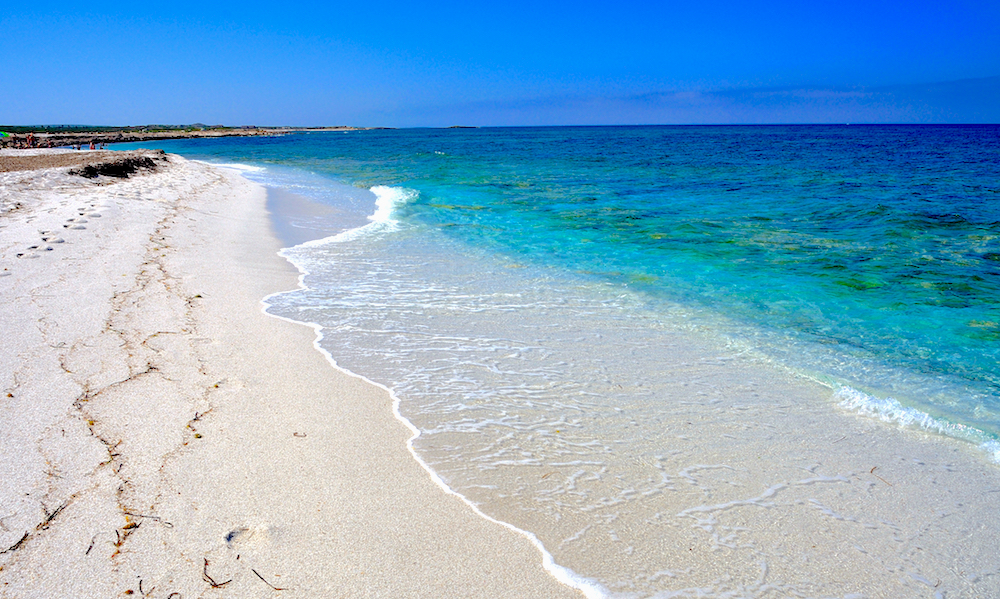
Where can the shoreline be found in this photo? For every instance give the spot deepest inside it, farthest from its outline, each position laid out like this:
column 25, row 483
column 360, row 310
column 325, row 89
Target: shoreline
column 590, row 589
column 834, row 491
column 165, row 435
column 854, row 490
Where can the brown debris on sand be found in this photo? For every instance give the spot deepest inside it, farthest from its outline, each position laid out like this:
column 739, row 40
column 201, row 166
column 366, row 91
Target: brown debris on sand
column 122, row 166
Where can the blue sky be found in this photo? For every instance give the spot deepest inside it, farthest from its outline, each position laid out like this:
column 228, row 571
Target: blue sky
column 514, row 63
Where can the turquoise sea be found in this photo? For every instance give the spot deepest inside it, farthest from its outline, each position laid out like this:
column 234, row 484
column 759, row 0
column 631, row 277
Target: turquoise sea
column 544, row 303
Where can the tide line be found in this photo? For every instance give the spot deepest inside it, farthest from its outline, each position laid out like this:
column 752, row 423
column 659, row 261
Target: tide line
column 589, row 587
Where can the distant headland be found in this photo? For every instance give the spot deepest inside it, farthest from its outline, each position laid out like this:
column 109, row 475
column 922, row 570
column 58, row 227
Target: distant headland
column 53, row 136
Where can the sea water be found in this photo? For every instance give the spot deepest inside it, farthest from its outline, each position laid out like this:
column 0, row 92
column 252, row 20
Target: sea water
column 602, row 334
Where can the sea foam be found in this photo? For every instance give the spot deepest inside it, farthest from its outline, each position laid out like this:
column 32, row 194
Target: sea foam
column 891, row 410
column 244, row 168
column 387, row 201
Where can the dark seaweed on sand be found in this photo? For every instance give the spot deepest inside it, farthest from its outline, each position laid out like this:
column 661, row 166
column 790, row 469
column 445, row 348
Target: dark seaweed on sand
column 120, row 167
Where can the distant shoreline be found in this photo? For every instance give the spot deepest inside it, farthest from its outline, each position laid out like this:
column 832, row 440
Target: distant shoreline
column 16, row 136
column 43, row 138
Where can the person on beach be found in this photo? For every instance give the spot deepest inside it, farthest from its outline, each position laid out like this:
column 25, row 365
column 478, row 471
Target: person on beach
column 92, row 146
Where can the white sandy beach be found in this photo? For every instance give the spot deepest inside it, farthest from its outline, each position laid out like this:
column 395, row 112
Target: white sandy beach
column 161, row 436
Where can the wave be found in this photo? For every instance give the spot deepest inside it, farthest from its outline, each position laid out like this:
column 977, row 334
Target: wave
column 243, row 168
column 387, row 201
column 890, row 410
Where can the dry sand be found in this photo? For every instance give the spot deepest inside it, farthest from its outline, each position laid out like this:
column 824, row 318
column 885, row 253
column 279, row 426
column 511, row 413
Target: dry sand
column 161, row 436
column 31, row 160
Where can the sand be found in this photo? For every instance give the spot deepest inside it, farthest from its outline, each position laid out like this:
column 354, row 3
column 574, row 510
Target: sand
column 30, row 160
column 161, row 436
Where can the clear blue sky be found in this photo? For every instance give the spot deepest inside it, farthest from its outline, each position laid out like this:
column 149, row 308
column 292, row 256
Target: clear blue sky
column 502, row 63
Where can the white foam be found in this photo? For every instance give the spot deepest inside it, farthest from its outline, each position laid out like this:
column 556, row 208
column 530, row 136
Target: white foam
column 387, row 200
column 890, row 410
column 590, row 588
column 243, row 168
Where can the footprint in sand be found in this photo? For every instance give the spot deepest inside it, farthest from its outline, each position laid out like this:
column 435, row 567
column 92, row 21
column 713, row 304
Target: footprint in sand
column 52, row 239
column 33, row 251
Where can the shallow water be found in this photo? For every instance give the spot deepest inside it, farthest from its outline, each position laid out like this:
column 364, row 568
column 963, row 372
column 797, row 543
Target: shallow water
column 645, row 345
